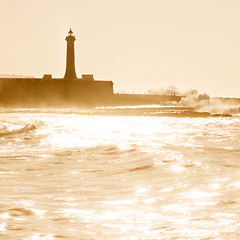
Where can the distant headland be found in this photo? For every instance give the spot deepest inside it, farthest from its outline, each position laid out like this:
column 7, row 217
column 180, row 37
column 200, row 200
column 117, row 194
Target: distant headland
column 69, row 90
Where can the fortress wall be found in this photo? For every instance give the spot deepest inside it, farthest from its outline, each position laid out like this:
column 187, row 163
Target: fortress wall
column 93, row 87
column 104, row 87
column 91, row 91
column 37, row 91
column 20, row 91
column 12, row 90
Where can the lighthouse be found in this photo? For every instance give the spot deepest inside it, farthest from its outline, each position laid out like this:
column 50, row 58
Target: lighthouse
column 70, row 89
column 70, row 73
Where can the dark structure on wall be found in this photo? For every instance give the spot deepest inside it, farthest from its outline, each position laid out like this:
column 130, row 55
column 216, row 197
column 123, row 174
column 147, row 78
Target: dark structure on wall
column 48, row 91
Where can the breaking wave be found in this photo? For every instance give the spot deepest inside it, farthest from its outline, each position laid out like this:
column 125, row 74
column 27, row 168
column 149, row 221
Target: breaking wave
column 5, row 131
column 204, row 103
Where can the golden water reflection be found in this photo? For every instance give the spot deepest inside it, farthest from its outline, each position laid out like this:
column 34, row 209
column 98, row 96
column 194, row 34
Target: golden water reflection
column 121, row 178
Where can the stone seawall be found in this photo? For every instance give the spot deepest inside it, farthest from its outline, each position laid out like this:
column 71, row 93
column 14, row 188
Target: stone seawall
column 143, row 99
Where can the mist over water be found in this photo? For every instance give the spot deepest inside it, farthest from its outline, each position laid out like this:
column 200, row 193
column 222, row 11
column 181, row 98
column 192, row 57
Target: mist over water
column 204, row 103
column 77, row 174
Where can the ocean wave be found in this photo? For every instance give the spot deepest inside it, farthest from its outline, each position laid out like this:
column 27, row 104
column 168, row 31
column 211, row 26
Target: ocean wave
column 204, row 108
column 177, row 111
column 145, row 167
column 5, row 132
column 17, row 212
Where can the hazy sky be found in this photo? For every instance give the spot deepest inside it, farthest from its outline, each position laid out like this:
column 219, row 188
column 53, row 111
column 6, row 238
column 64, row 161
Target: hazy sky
column 139, row 44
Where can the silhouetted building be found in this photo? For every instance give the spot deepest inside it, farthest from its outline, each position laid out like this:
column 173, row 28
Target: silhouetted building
column 54, row 91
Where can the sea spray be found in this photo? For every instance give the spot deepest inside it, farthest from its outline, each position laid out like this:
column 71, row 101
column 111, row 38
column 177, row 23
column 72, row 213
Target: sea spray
column 204, row 103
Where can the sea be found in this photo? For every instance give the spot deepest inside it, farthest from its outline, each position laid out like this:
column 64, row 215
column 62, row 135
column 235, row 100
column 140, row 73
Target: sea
column 139, row 172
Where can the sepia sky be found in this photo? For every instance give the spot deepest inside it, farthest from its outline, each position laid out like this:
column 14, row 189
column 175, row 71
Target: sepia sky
column 140, row 45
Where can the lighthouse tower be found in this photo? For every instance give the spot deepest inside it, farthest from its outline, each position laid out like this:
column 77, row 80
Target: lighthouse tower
column 70, row 73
